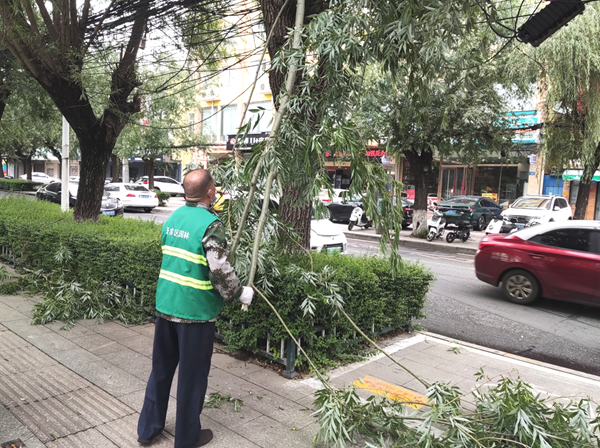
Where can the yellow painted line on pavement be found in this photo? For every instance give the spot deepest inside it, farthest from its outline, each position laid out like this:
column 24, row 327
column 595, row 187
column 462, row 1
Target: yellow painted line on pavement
column 391, row 391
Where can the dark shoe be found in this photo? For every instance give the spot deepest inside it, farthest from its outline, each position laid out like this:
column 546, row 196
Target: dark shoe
column 206, row 436
column 150, row 440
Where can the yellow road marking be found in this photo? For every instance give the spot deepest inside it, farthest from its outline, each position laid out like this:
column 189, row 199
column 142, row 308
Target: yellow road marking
column 391, row 391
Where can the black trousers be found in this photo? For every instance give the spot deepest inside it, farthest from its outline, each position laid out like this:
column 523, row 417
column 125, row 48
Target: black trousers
column 190, row 346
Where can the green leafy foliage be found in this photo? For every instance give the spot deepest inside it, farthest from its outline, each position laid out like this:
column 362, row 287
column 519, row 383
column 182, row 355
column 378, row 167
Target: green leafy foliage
column 503, row 412
column 123, row 251
column 163, row 197
column 18, row 185
column 372, row 297
column 215, row 399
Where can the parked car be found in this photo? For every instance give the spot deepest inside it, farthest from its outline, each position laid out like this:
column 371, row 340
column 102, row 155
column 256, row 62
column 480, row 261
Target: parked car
column 432, row 201
column 132, row 195
column 53, row 193
column 542, row 208
column 557, row 260
column 338, row 196
column 163, row 183
column 477, row 209
column 40, row 177
column 325, row 237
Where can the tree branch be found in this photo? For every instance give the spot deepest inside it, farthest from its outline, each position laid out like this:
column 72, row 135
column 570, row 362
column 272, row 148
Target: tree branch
column 47, row 20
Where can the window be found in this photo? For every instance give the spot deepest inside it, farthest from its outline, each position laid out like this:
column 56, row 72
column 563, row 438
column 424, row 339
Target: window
column 112, row 188
column 532, row 203
column 571, row 239
column 53, row 187
column 562, row 203
column 229, row 121
column 131, row 187
column 573, row 191
column 209, row 123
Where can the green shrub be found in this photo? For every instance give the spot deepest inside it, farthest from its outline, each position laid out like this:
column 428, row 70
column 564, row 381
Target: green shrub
column 116, row 249
column 372, row 298
column 422, row 233
column 18, row 185
column 163, row 197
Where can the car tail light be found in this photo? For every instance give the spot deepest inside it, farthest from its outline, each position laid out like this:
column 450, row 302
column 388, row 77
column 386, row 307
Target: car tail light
column 326, row 200
column 145, row 182
column 405, row 209
column 130, row 195
column 471, row 211
column 155, row 195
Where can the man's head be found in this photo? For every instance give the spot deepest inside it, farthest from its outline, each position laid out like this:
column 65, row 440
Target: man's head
column 199, row 186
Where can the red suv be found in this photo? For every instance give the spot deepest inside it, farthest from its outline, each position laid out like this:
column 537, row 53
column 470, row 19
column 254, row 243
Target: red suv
column 555, row 260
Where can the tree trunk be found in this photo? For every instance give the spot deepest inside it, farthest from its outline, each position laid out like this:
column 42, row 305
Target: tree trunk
column 585, row 185
column 421, row 168
column 116, row 168
column 294, row 211
column 149, row 163
column 2, row 167
column 26, row 161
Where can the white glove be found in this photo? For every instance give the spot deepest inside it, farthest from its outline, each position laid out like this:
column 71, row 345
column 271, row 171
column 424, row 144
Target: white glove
column 247, row 294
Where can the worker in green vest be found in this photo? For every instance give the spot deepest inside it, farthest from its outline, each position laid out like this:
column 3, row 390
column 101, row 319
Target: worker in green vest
column 194, row 282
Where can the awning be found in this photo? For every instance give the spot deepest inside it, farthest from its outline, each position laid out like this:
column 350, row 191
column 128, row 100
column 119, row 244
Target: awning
column 576, row 175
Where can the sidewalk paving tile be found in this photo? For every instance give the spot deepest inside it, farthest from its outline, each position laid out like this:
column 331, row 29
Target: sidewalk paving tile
column 226, row 415
column 9, row 313
column 9, row 342
column 123, row 433
column 51, row 342
column 138, row 343
column 21, row 360
column 144, row 330
column 269, row 433
column 224, row 437
column 31, row 386
column 112, row 379
column 234, row 366
column 84, row 439
column 280, row 409
column 11, row 429
column 131, row 362
column 24, row 328
column 229, row 384
column 50, row 419
column 97, row 344
column 95, row 405
column 75, row 357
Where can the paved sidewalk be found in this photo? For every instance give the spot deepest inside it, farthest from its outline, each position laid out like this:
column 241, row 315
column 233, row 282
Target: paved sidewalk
column 84, row 387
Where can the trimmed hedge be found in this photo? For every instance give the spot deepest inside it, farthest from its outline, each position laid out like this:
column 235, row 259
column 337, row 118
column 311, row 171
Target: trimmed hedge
column 18, row 185
column 126, row 250
column 117, row 249
column 372, row 298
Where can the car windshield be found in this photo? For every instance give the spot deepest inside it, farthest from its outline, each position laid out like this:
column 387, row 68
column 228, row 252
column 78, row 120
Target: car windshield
column 461, row 201
column 135, row 187
column 532, row 203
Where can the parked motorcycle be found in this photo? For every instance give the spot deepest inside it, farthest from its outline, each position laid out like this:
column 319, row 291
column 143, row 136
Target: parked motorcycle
column 436, row 226
column 358, row 218
column 500, row 224
column 461, row 230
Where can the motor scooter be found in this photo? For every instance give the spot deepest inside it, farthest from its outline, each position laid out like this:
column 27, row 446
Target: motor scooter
column 500, row 224
column 436, row 226
column 461, row 230
column 358, row 218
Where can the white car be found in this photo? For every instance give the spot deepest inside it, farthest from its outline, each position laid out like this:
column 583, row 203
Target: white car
column 40, row 177
column 338, row 196
column 132, row 195
column 326, row 237
column 541, row 208
column 163, row 183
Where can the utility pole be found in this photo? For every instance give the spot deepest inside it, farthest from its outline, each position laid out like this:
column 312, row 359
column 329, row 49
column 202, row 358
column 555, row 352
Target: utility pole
column 64, row 199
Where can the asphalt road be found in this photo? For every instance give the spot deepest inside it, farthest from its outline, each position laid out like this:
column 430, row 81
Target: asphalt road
column 462, row 307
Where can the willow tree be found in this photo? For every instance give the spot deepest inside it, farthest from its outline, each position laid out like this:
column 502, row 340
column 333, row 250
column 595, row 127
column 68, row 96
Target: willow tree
column 569, row 63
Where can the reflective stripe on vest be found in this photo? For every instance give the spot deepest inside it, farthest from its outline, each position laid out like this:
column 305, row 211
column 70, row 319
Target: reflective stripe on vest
column 185, row 281
column 184, row 254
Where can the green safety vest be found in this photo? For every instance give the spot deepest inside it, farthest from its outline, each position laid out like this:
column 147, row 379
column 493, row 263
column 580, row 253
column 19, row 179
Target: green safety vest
column 184, row 289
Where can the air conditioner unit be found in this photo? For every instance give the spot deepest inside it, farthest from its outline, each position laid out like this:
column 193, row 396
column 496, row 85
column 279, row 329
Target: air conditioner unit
column 263, row 87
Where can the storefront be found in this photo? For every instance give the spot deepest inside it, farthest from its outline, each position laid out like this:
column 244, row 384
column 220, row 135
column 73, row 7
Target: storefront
column 338, row 166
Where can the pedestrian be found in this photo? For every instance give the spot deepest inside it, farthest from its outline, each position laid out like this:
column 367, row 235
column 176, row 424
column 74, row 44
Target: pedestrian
column 195, row 279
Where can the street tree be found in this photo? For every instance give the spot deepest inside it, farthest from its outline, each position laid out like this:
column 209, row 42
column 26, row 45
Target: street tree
column 57, row 42
column 161, row 126
column 460, row 116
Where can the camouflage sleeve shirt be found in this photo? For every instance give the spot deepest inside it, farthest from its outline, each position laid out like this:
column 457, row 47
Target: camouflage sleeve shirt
column 221, row 273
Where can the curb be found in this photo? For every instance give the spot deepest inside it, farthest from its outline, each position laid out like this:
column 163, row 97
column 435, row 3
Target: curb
column 519, row 358
column 417, row 244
